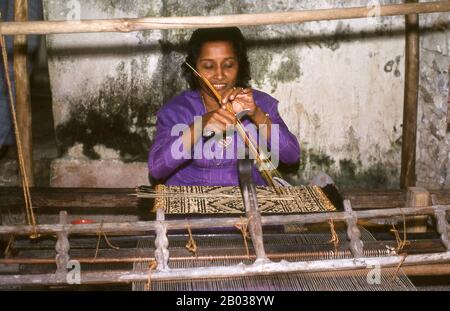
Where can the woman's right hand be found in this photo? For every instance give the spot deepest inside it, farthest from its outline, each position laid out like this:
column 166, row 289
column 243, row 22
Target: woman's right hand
column 217, row 120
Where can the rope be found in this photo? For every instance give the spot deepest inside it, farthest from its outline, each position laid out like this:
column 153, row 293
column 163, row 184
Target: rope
column 242, row 226
column 151, row 266
column 404, row 255
column 334, row 236
column 401, row 243
column 9, row 246
column 191, row 245
column 25, row 184
column 101, row 233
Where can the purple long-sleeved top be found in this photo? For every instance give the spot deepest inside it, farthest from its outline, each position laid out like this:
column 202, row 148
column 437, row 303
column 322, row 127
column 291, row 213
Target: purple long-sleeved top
column 204, row 170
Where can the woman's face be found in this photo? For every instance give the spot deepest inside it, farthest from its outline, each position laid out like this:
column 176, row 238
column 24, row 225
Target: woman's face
column 218, row 63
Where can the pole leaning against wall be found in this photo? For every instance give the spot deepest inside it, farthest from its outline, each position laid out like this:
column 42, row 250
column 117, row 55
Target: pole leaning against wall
column 22, row 89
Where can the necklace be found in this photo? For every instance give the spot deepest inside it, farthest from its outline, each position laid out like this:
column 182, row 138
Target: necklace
column 224, row 142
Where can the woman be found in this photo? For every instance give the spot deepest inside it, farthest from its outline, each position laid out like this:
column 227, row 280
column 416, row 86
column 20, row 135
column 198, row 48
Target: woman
column 194, row 158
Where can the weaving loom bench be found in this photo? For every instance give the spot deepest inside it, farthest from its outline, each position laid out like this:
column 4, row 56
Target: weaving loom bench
column 127, row 223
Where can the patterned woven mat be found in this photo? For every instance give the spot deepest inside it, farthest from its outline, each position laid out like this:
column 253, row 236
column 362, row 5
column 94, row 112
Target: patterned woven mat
column 228, row 200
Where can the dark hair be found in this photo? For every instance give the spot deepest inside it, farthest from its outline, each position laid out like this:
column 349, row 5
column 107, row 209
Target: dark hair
column 230, row 34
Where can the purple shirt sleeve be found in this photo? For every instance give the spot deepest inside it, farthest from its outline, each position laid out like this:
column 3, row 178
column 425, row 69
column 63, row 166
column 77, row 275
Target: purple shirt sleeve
column 161, row 161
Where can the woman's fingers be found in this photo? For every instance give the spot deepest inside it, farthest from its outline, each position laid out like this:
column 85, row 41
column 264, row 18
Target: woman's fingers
column 219, row 120
column 231, row 94
column 226, row 95
column 237, row 106
column 235, row 93
column 225, row 116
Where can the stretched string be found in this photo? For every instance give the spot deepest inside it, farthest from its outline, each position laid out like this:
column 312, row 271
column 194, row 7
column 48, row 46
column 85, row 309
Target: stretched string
column 191, row 245
column 101, row 233
column 151, row 266
column 9, row 246
column 242, row 226
column 334, row 236
column 401, row 243
column 25, row 184
column 404, row 255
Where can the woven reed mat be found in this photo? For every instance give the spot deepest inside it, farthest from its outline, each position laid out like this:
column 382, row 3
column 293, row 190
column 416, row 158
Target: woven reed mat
column 228, row 200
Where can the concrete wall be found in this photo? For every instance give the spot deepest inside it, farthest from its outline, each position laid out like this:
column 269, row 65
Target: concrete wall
column 340, row 86
column 433, row 150
column 106, row 89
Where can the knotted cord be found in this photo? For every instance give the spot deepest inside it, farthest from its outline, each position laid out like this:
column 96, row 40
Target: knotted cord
column 151, row 266
column 9, row 246
column 101, row 233
column 242, row 226
column 191, row 245
column 334, row 236
column 401, row 243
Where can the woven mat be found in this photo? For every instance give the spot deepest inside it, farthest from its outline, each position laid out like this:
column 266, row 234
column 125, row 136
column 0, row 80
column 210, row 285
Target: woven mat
column 228, row 200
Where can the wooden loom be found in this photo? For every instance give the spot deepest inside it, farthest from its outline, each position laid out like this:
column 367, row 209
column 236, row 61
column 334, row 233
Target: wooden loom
column 434, row 249
column 225, row 263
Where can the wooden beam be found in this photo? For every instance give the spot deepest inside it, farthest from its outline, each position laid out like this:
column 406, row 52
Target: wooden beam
column 106, row 277
column 225, row 222
column 123, row 255
column 22, row 88
column 409, row 136
column 417, row 197
column 137, row 24
column 71, row 197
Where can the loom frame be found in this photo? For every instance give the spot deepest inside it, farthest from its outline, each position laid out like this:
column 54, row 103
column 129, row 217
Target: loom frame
column 259, row 267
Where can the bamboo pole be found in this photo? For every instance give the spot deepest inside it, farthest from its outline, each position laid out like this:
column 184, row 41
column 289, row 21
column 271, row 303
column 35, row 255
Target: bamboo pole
column 225, row 222
column 417, row 270
column 22, row 89
column 137, row 24
column 261, row 268
column 409, row 136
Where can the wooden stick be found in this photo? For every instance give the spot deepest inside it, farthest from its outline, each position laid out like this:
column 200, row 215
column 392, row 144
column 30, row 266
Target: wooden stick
column 22, row 88
column 424, row 246
column 261, row 268
column 408, row 165
column 225, row 222
column 137, row 24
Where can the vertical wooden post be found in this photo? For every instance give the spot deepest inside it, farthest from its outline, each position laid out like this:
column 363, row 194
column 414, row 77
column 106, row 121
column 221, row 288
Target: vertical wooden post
column 408, row 166
column 353, row 233
column 22, row 87
column 62, row 248
column 161, row 241
column 417, row 197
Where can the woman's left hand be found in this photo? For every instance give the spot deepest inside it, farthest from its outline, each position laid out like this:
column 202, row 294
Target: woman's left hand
column 241, row 99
